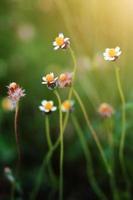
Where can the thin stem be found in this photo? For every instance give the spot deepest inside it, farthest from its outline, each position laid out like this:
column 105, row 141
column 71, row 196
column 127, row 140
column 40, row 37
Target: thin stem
column 74, row 72
column 92, row 131
column 16, row 133
column 48, row 132
column 42, row 168
column 38, row 181
column 13, row 190
column 108, row 127
column 87, row 154
column 73, row 79
column 49, row 142
column 61, row 148
column 123, row 132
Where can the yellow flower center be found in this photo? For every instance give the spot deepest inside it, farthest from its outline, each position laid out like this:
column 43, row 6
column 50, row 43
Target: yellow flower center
column 48, row 106
column 63, row 77
column 59, row 41
column 67, row 105
column 49, row 77
column 112, row 52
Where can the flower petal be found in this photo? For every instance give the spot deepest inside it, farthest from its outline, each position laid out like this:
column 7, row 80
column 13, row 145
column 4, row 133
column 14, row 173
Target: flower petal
column 62, row 46
column 107, row 50
column 46, row 110
column 54, row 43
column 41, row 108
column 54, row 108
column 61, row 35
column 119, row 53
column 57, row 47
column 44, row 102
column 117, row 49
column 66, row 39
column 44, row 83
column 51, row 102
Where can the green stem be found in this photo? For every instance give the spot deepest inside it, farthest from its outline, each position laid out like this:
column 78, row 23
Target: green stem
column 16, row 133
column 49, row 142
column 13, row 190
column 73, row 79
column 61, row 148
column 38, row 181
column 87, row 154
column 123, row 132
column 17, row 138
column 94, row 135
column 74, row 72
column 108, row 127
column 48, row 132
column 42, row 168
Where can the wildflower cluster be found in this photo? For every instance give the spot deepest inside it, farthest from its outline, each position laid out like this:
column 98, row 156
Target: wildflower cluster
column 62, row 81
column 52, row 81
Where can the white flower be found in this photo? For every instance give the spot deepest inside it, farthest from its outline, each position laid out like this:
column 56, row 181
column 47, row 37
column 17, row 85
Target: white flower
column 112, row 54
column 67, row 106
column 61, row 42
column 49, row 78
column 47, row 106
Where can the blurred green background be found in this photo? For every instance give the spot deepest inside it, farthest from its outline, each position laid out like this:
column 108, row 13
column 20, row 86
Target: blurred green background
column 27, row 30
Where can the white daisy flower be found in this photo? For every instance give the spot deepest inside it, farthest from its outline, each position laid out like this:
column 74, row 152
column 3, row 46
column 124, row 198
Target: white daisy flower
column 47, row 106
column 112, row 54
column 61, row 42
column 67, row 106
column 50, row 80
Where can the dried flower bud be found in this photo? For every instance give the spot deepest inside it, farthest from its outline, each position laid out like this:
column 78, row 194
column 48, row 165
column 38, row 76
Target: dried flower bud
column 9, row 175
column 15, row 92
column 65, row 80
column 105, row 110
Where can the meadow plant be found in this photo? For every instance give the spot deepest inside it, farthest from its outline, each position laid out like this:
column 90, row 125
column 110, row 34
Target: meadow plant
column 15, row 93
column 47, row 107
column 112, row 54
column 14, row 184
